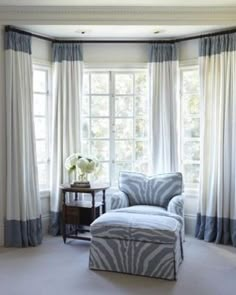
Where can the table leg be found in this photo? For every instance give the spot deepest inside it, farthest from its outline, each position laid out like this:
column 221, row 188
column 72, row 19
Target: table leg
column 93, row 207
column 103, row 201
column 63, row 218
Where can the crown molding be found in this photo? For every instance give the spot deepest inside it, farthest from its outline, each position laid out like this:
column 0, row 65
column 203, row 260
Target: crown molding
column 108, row 15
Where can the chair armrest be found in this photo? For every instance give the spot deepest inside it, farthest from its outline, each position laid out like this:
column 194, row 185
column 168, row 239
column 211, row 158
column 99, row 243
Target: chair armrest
column 119, row 200
column 176, row 205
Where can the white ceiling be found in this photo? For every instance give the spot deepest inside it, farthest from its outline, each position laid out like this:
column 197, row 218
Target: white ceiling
column 222, row 3
column 118, row 32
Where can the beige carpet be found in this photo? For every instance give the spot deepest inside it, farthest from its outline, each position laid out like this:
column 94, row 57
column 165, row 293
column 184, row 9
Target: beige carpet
column 55, row 268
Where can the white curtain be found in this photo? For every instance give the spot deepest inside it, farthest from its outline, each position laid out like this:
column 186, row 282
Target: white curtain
column 67, row 88
column 216, row 219
column 163, row 90
column 23, row 219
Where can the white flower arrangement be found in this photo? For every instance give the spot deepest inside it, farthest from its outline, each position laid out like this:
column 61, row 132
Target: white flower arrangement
column 81, row 164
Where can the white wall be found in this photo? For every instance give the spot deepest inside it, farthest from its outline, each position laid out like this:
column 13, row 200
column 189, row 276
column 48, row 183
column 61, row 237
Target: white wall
column 188, row 50
column 115, row 53
column 41, row 50
column 2, row 136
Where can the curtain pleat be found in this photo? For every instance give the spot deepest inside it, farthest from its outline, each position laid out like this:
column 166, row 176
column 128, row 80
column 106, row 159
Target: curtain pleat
column 23, row 225
column 163, row 91
column 216, row 218
column 67, row 91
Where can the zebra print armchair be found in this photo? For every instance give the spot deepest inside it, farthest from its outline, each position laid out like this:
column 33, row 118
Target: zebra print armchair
column 156, row 195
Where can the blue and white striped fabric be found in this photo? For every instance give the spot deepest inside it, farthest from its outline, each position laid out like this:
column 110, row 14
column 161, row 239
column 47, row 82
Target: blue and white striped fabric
column 139, row 244
column 23, row 226
column 137, row 227
column 67, row 85
column 216, row 218
column 156, row 190
column 163, row 66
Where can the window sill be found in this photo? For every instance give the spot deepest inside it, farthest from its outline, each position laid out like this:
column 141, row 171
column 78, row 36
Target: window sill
column 191, row 193
column 44, row 193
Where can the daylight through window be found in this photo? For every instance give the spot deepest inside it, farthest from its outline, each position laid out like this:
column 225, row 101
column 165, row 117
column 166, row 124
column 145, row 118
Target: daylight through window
column 115, row 121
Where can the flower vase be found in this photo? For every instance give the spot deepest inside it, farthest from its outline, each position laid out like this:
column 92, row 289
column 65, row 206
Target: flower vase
column 81, row 179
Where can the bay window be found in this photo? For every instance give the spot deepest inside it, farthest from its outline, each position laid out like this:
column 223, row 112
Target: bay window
column 115, row 121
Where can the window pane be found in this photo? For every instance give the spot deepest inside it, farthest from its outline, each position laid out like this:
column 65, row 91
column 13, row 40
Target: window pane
column 141, row 128
column 100, row 106
column 191, row 104
column 86, row 147
column 100, row 128
column 40, row 128
column 192, row 150
column 124, row 128
column 100, row 149
column 121, row 166
column 141, row 150
column 40, row 81
column 43, row 176
column 103, row 174
column 141, row 105
column 123, row 150
column 85, row 128
column 191, row 127
column 40, row 104
column 85, row 106
column 190, row 81
column 141, row 166
column 141, row 83
column 41, row 149
column 124, row 106
column 86, row 83
column 100, row 83
column 191, row 173
column 124, row 83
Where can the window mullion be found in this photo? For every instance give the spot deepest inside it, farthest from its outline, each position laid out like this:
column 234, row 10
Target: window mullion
column 112, row 126
column 134, row 122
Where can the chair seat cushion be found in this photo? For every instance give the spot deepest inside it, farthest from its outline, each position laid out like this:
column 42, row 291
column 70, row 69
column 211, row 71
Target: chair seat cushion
column 136, row 227
column 142, row 209
column 153, row 210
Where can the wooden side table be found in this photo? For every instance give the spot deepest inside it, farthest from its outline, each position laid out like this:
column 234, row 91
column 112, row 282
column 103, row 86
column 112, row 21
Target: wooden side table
column 78, row 215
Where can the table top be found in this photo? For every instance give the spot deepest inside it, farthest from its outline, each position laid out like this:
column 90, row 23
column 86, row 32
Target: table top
column 94, row 187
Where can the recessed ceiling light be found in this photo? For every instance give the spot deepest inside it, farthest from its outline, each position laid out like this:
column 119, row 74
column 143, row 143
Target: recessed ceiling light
column 81, row 32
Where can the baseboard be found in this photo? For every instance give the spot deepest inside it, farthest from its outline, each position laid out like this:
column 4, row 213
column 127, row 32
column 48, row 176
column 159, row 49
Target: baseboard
column 45, row 224
column 190, row 223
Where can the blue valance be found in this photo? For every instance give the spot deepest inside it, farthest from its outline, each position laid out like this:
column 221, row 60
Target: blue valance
column 18, row 42
column 161, row 52
column 217, row 44
column 67, row 51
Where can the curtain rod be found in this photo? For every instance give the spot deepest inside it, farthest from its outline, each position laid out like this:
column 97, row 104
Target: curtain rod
column 54, row 40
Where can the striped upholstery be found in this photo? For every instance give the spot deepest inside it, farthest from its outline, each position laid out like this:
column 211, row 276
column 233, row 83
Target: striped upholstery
column 139, row 244
column 154, row 210
column 136, row 227
column 156, row 190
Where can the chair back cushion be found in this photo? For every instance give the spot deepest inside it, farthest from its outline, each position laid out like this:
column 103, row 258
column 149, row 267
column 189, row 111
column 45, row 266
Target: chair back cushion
column 155, row 190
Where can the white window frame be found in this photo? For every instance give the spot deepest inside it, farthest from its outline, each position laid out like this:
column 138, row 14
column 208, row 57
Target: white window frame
column 46, row 67
column 112, row 70
column 190, row 188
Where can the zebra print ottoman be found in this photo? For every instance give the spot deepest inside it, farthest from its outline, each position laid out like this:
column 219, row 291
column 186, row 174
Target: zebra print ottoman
column 139, row 244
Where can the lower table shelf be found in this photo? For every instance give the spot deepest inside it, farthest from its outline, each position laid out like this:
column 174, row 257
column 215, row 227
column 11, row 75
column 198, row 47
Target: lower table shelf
column 77, row 216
